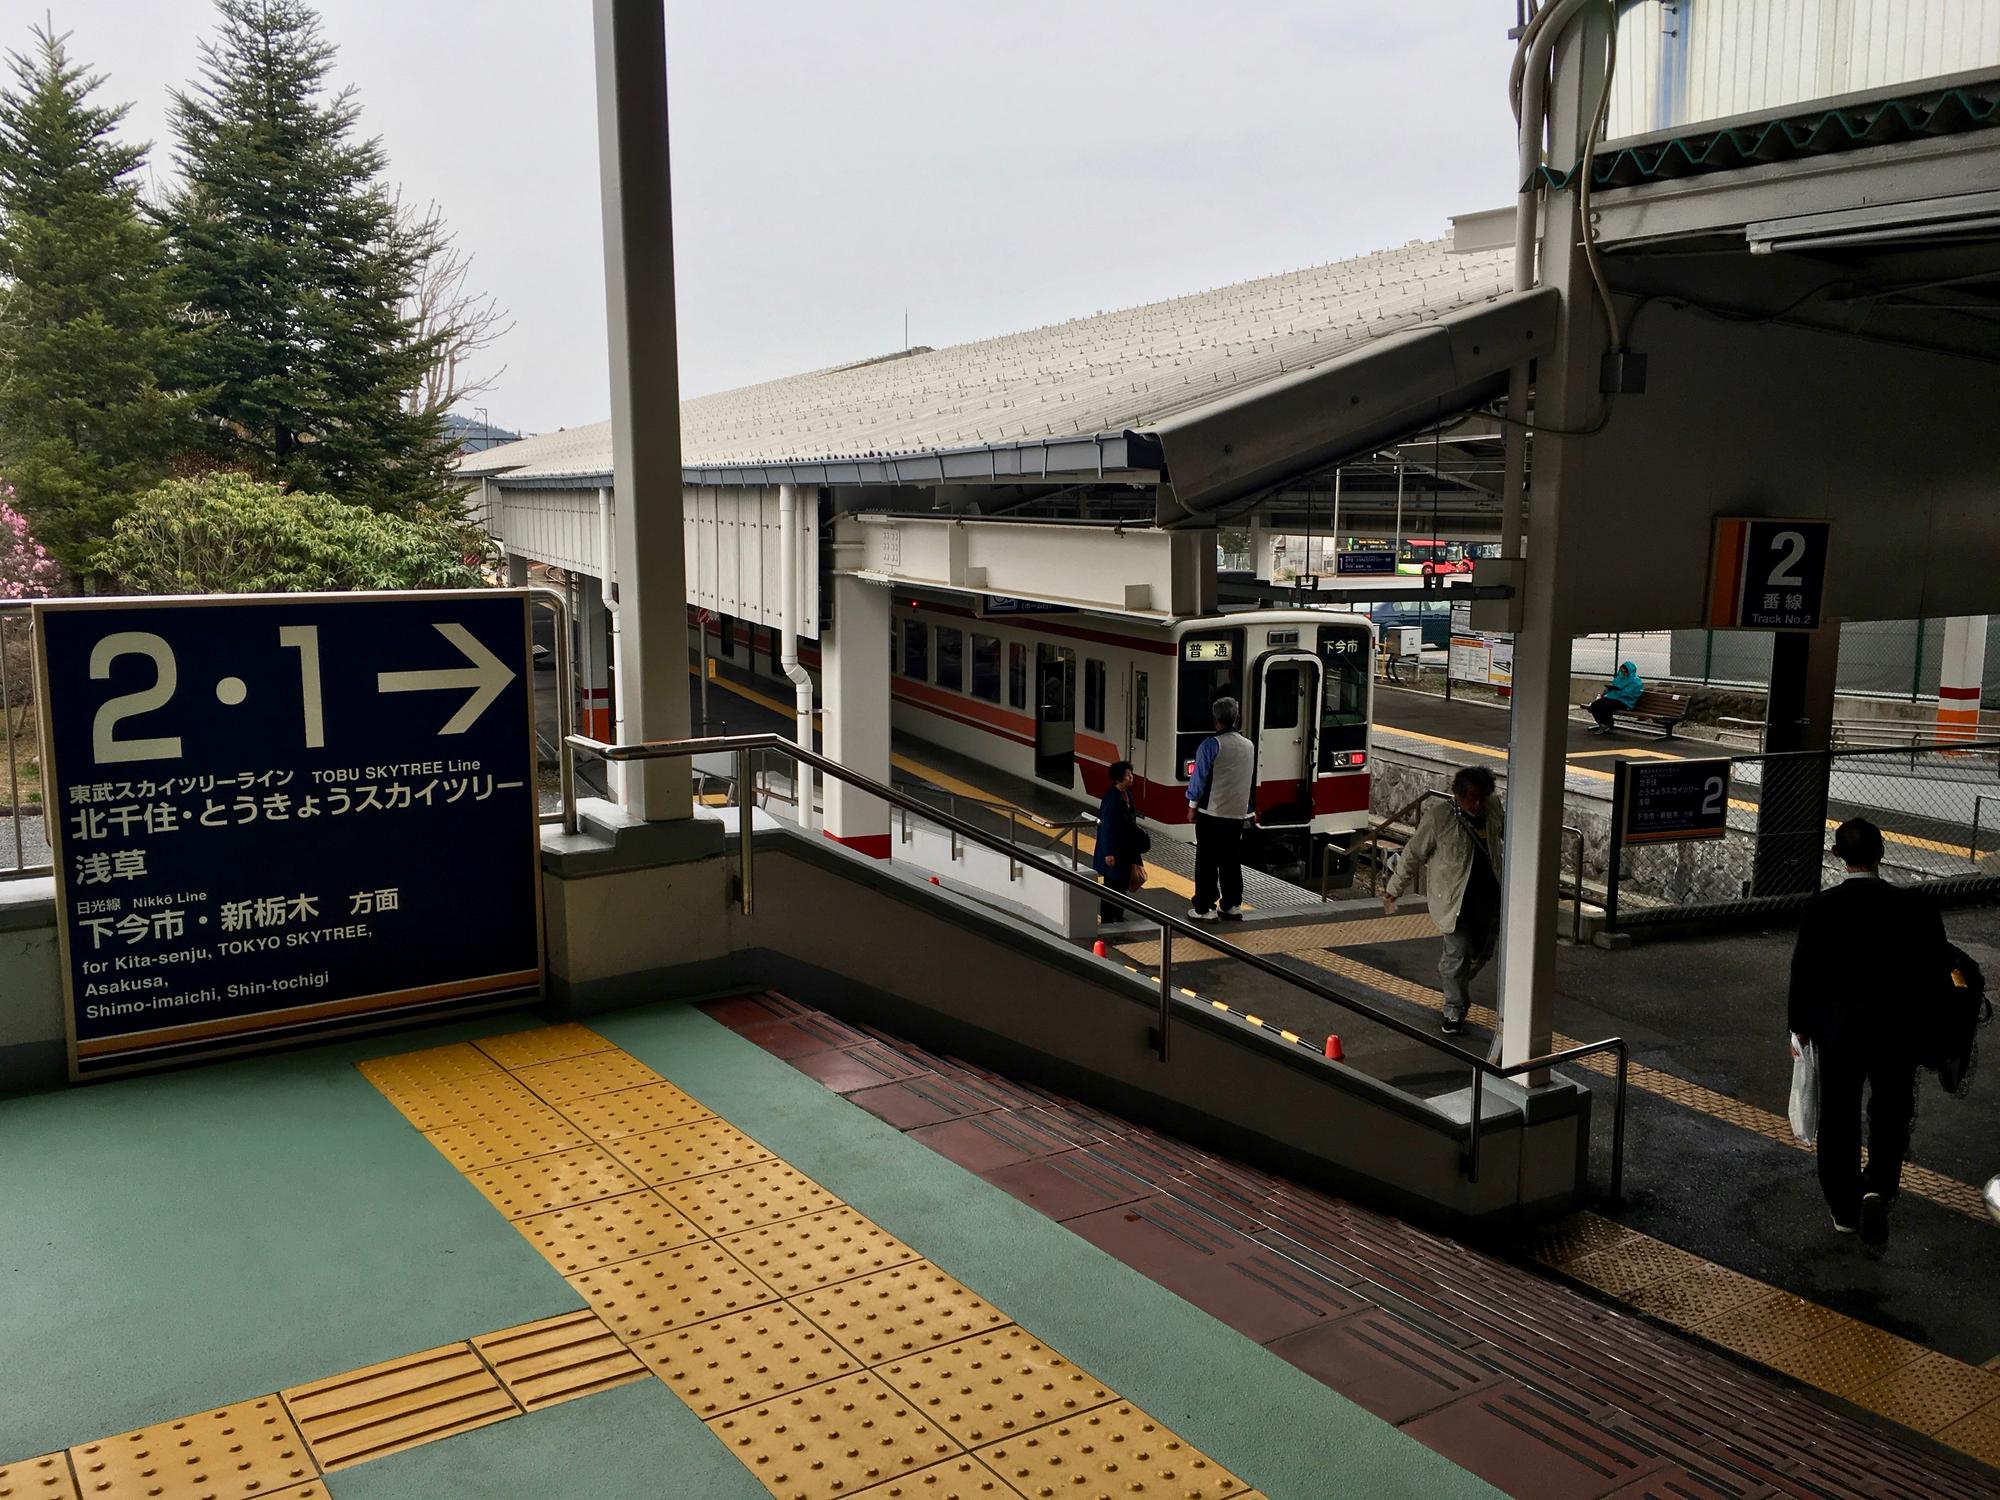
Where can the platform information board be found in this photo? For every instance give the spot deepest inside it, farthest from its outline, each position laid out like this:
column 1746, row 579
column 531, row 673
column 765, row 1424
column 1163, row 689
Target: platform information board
column 274, row 816
column 1667, row 801
column 1365, row 563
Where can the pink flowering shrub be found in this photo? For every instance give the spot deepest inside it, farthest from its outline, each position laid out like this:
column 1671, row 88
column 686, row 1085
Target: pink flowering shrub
column 26, row 569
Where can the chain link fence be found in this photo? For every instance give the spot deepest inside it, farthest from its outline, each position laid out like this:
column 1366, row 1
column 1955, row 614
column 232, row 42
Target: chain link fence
column 1938, row 809
column 1878, row 658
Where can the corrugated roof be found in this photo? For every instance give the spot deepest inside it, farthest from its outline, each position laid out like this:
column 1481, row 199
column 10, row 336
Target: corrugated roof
column 1109, row 373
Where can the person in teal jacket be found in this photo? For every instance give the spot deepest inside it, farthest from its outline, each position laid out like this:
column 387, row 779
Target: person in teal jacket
column 1623, row 693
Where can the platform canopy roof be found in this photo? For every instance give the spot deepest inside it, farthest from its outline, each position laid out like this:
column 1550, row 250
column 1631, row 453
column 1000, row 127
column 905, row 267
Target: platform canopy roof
column 1080, row 399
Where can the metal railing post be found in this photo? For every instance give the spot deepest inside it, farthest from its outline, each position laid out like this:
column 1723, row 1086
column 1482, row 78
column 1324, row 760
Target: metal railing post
column 13, row 760
column 1166, row 988
column 745, row 823
column 1618, row 1132
column 1576, row 896
column 1013, row 868
column 1611, row 856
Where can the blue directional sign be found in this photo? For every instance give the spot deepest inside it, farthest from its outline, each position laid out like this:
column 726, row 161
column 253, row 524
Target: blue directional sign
column 275, row 816
column 1003, row 604
column 1365, row 563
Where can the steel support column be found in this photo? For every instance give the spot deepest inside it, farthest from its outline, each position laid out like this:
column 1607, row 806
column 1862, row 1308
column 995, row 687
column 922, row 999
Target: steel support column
column 854, row 679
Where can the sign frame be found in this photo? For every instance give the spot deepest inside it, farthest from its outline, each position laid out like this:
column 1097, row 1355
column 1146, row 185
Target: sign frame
column 1634, row 775
column 1735, row 594
column 279, row 1034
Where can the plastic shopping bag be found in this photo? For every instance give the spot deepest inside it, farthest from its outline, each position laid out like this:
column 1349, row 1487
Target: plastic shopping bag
column 1805, row 1091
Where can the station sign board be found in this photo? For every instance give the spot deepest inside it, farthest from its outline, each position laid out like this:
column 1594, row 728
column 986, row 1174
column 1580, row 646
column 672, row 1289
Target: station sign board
column 1365, row 563
column 284, row 815
column 1669, row 801
column 1002, row 604
column 1767, row 573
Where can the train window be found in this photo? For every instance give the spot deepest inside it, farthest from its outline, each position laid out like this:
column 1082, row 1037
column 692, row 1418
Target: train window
column 917, row 650
column 1140, row 707
column 1093, row 694
column 895, row 644
column 1017, row 675
column 1210, row 668
column 1281, row 698
column 726, row 634
column 1344, row 652
column 986, row 668
column 951, row 658
column 774, row 638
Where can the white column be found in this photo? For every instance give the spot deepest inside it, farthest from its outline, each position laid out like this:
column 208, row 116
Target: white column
column 1565, row 398
column 645, row 396
column 1260, row 549
column 1959, row 680
column 855, row 684
column 517, row 571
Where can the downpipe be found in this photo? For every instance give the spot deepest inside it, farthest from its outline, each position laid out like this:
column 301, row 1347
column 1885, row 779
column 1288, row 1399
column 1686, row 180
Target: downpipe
column 789, row 534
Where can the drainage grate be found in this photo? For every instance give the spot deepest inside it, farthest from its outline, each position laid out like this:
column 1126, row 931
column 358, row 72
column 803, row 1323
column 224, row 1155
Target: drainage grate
column 818, row 1250
column 367, row 1414
column 726, row 1363
column 747, row 1197
column 522, row 1049
column 1112, row 1449
column 832, row 1439
column 655, row 1293
column 994, row 1386
column 558, row 1359
column 900, row 1312
column 607, row 1231
column 651, row 1106
column 683, row 1151
column 561, row 1180
column 248, row 1449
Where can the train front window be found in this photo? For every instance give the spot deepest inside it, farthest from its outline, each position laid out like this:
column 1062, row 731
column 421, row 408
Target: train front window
column 1211, row 667
column 1343, row 716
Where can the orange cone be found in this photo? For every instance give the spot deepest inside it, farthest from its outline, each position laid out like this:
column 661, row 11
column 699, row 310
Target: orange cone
column 1099, row 950
column 1334, row 1051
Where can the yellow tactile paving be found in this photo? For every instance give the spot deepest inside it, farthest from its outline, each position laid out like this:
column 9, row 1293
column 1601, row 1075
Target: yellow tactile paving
column 43, row 1478
column 383, row 1409
column 1632, row 1263
column 623, row 1112
column 655, row 1293
column 521, row 1049
column 1848, row 1359
column 604, row 1232
column 435, row 1106
column 559, row 1359
column 579, row 1077
column 1692, row 1296
column 433, row 1065
column 1114, row 1449
column 994, row 1386
column 748, row 1197
column 759, row 1355
column 817, row 1250
column 659, row 1157
column 250, row 1448
column 1768, row 1327
column 494, row 1140
column 899, row 1312
column 1559, row 1243
column 1977, row 1434
column 832, row 1439
column 561, row 1179
column 955, row 1479
column 1931, row 1394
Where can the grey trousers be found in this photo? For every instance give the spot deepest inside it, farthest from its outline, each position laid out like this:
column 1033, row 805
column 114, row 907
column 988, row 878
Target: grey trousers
column 1466, row 952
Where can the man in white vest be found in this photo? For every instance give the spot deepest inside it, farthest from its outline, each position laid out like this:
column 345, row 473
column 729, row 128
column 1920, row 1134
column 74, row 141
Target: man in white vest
column 1461, row 842
column 1221, row 791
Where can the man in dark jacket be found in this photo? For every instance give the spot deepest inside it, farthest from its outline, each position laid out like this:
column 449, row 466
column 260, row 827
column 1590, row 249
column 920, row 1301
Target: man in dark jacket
column 1119, row 857
column 1867, row 951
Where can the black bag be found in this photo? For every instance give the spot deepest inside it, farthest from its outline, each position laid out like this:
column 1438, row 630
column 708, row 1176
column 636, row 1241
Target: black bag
column 1951, row 1040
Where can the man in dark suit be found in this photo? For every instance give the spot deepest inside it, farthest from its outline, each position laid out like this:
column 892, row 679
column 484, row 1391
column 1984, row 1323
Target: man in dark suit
column 1867, row 951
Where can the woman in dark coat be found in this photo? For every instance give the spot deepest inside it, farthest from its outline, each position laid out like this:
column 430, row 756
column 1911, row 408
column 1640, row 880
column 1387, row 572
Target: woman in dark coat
column 1121, row 842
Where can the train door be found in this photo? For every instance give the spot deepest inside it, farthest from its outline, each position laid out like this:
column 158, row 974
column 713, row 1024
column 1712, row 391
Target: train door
column 1287, row 716
column 1055, row 714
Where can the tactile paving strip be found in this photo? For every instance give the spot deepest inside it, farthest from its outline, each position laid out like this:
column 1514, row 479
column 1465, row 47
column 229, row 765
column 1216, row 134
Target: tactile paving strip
column 748, row 1197
column 561, row 1180
column 523, row 1049
column 430, row 1067
column 1698, row 1295
column 492, row 1141
column 251, row 1448
column 364, row 1414
column 832, row 1439
column 1849, row 1359
column 43, row 1478
column 558, row 1359
column 1574, row 1235
column 606, row 1231
column 797, row 1255
column 1931, row 1394
column 655, row 1293
column 580, row 1077
column 994, row 1386
column 1630, row 1264
column 726, row 1363
column 1765, row 1329
column 954, row 1479
column 652, row 1106
column 899, row 1312
column 434, row 1106
column 1115, row 1449
column 683, row 1151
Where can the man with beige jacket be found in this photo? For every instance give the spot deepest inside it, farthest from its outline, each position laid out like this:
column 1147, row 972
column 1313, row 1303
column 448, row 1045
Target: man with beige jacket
column 1460, row 841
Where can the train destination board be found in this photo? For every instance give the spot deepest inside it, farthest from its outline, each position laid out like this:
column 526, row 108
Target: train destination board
column 1671, row 800
column 276, row 816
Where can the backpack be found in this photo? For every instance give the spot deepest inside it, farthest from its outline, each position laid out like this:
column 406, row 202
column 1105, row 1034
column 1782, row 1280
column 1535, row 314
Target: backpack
column 1950, row 1043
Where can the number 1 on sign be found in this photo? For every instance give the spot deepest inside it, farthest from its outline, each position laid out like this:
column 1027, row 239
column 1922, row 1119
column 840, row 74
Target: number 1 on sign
column 305, row 640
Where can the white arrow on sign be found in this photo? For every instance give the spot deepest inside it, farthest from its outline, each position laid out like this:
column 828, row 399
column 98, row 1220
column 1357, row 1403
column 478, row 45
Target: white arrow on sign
column 486, row 677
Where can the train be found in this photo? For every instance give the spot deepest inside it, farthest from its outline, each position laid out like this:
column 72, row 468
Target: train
column 1058, row 696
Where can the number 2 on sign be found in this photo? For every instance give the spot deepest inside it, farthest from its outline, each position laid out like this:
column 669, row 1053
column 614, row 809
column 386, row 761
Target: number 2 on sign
column 1785, row 575
column 1715, row 789
column 108, row 748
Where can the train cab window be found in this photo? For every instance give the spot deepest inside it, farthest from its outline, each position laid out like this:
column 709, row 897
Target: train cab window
column 1141, row 710
column 1282, row 691
column 951, row 658
column 1017, row 675
column 917, row 650
column 1093, row 694
column 1343, row 722
column 1211, row 667
column 986, row 668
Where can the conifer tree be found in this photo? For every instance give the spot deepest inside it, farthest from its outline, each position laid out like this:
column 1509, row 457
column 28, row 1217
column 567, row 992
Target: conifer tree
column 294, row 270
column 89, row 357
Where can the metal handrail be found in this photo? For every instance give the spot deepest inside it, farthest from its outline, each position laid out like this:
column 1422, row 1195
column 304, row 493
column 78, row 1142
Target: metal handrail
column 1170, row 926
column 21, row 869
column 1429, row 794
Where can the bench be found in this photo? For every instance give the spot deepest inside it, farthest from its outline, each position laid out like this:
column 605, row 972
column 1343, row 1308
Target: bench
column 1664, row 710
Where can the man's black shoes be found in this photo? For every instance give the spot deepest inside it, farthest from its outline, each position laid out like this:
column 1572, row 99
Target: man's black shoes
column 1874, row 1219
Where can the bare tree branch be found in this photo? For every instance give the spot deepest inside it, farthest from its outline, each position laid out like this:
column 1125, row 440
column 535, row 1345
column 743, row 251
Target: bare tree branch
column 446, row 307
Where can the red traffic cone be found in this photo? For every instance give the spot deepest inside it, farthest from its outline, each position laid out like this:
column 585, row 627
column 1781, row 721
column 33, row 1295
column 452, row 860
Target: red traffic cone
column 1099, row 950
column 1334, row 1051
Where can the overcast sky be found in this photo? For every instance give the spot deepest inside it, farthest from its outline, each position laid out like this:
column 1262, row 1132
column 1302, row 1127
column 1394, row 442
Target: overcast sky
column 989, row 164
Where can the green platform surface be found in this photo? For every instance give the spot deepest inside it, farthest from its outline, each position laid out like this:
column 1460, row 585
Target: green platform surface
column 1289, row 1436
column 170, row 1244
